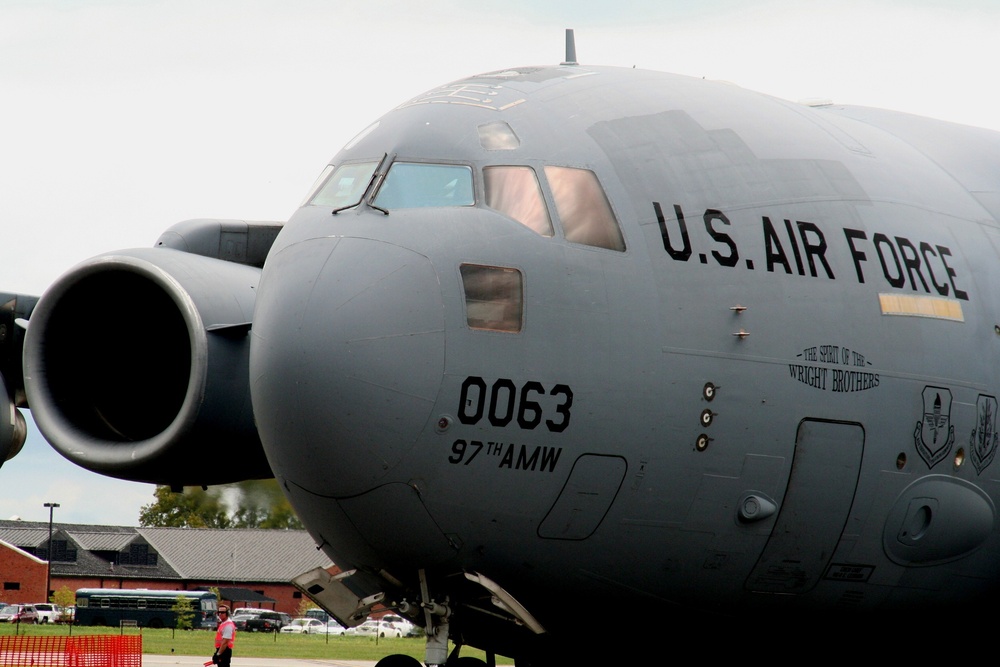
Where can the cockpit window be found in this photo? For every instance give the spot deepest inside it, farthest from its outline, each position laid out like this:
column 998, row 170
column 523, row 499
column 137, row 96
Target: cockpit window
column 345, row 186
column 493, row 297
column 320, row 180
column 583, row 208
column 514, row 191
column 417, row 185
column 498, row 136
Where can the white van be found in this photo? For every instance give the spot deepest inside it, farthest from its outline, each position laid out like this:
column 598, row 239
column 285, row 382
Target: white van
column 48, row 613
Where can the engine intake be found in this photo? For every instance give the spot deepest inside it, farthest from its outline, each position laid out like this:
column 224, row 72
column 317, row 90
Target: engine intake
column 136, row 367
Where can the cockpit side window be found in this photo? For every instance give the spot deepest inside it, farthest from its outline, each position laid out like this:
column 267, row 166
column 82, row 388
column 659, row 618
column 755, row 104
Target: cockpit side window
column 345, row 186
column 583, row 208
column 417, row 185
column 514, row 191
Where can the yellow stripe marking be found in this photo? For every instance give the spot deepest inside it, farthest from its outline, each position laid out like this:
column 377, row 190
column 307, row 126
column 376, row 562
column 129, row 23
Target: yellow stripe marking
column 921, row 306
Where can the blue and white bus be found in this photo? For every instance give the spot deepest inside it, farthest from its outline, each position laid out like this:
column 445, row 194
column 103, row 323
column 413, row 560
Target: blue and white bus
column 144, row 607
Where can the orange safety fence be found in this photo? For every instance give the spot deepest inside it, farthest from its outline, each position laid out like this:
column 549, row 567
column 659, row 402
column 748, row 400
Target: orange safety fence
column 82, row 651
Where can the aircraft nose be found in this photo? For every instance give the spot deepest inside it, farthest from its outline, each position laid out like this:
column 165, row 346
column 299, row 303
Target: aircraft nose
column 346, row 360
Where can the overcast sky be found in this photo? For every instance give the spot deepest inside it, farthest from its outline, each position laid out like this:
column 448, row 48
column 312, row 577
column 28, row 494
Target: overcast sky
column 122, row 117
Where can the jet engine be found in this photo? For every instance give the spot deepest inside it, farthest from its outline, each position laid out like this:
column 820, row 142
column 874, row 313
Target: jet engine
column 14, row 309
column 135, row 366
column 13, row 430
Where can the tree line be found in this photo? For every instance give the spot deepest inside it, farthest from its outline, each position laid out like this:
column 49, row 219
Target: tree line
column 249, row 504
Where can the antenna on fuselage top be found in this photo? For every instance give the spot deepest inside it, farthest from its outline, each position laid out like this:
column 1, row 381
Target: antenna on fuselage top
column 570, row 48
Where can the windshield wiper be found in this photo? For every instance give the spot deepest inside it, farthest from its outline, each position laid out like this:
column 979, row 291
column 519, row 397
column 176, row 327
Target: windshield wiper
column 379, row 175
column 375, row 175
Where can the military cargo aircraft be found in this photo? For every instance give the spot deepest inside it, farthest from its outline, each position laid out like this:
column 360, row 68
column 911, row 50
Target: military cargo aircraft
column 566, row 342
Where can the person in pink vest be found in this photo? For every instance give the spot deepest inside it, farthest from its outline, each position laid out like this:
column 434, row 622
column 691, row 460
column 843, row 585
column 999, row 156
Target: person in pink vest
column 225, row 638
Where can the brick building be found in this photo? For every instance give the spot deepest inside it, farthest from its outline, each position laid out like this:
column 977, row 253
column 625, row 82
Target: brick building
column 250, row 567
column 23, row 574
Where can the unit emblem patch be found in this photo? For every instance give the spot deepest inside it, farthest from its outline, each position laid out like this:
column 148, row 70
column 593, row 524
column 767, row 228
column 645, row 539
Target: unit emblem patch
column 983, row 441
column 935, row 433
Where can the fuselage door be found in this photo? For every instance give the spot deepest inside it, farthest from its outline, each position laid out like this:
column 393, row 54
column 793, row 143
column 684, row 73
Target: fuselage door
column 817, row 502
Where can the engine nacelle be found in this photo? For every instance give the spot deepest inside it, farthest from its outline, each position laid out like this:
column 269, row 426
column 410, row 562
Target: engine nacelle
column 136, row 367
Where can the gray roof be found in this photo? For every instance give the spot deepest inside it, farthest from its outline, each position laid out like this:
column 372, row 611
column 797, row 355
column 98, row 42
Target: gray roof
column 203, row 554
column 237, row 595
column 21, row 537
column 90, row 544
column 102, row 541
column 236, row 555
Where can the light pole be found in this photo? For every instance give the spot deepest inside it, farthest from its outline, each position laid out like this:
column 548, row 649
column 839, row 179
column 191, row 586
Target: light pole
column 48, row 561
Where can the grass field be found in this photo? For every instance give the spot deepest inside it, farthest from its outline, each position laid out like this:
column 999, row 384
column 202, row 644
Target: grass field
column 251, row 644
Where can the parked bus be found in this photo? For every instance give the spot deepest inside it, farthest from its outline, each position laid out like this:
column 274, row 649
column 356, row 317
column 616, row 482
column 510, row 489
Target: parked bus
column 144, row 607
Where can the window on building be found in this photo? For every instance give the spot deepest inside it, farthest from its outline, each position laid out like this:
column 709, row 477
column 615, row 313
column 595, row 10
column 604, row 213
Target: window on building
column 138, row 553
column 61, row 553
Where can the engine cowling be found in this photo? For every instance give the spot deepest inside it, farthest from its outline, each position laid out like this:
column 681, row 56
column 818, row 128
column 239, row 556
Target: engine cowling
column 136, row 367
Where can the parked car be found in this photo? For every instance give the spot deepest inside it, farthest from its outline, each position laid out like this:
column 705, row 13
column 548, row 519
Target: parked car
column 18, row 613
column 408, row 628
column 389, row 629
column 241, row 617
column 268, row 621
column 248, row 610
column 334, row 628
column 47, row 612
column 304, row 626
column 318, row 613
column 373, row 628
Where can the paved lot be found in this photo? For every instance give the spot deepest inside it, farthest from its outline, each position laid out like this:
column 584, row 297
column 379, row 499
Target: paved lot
column 239, row 661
